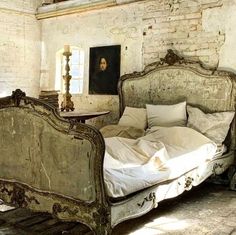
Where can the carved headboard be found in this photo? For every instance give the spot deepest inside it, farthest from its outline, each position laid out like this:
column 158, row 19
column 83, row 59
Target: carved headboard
column 175, row 79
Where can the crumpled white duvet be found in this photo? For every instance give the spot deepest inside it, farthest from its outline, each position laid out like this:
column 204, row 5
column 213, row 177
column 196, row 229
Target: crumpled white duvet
column 164, row 153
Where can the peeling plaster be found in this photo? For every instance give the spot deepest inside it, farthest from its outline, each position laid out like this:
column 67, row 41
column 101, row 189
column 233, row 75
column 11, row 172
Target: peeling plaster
column 227, row 52
column 221, row 20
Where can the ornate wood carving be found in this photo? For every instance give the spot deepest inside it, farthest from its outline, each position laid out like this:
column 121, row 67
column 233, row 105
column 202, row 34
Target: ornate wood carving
column 5, row 190
column 57, row 208
column 216, row 166
column 102, row 216
column 17, row 95
column 18, row 196
column 78, row 131
column 150, row 197
column 171, row 58
column 188, row 183
column 96, row 212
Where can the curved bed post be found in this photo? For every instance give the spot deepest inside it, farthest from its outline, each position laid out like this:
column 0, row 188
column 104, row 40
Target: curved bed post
column 50, row 164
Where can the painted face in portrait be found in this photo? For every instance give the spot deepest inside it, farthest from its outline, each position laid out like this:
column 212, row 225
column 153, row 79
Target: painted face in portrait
column 103, row 64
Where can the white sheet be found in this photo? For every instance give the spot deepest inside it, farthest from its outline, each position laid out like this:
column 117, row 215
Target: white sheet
column 163, row 153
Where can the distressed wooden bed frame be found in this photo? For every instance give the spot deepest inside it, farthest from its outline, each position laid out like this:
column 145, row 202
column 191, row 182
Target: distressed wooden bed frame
column 49, row 164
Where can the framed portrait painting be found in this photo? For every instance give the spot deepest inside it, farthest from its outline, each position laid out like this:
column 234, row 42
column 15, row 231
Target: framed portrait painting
column 104, row 70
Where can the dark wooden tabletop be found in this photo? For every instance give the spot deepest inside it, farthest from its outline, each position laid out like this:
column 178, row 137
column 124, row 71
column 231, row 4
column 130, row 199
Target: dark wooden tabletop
column 82, row 115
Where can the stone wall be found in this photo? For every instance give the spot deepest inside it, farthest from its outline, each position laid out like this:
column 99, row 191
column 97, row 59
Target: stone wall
column 200, row 30
column 19, row 47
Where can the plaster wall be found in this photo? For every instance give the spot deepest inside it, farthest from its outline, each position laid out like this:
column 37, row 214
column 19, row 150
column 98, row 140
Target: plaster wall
column 227, row 15
column 200, row 30
column 19, row 47
column 120, row 25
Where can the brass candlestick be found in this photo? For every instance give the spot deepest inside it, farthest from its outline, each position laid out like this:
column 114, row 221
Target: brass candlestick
column 67, row 104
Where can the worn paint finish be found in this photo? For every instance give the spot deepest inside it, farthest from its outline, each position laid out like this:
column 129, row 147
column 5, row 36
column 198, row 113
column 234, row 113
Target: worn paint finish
column 47, row 158
column 169, row 86
column 51, row 165
column 160, row 83
column 95, row 209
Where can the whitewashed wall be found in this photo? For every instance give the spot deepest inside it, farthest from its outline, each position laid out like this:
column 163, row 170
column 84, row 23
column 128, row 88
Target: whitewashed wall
column 19, row 47
column 202, row 30
column 114, row 26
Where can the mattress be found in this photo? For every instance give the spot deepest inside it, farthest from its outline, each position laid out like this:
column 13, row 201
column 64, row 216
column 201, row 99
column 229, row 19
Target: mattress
column 164, row 153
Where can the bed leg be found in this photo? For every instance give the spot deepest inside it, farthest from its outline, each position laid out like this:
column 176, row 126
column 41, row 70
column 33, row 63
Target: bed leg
column 102, row 230
column 232, row 177
column 102, row 219
column 233, row 182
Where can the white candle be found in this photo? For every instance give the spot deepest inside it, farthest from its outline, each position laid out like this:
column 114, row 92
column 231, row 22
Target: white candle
column 66, row 48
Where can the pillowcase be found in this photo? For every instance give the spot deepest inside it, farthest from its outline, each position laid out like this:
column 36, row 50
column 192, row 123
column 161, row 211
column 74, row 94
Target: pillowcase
column 215, row 126
column 135, row 117
column 167, row 115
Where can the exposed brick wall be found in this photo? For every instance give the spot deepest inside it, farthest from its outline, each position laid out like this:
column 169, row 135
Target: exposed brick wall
column 177, row 24
column 19, row 47
column 146, row 29
column 199, row 29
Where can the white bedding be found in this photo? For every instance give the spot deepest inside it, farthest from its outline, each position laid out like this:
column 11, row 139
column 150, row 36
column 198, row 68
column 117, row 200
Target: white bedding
column 164, row 153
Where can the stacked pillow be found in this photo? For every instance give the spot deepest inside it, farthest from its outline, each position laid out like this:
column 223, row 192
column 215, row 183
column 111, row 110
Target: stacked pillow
column 155, row 115
column 215, row 126
column 134, row 117
column 167, row 115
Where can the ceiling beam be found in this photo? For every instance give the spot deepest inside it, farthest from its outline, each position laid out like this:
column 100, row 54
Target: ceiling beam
column 72, row 6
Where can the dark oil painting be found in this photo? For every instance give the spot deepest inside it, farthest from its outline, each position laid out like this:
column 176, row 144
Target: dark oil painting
column 104, row 70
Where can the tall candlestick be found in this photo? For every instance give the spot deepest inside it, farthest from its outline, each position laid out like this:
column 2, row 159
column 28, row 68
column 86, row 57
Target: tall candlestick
column 67, row 104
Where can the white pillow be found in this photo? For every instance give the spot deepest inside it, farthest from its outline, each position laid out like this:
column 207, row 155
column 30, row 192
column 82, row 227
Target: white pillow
column 215, row 126
column 167, row 115
column 134, row 117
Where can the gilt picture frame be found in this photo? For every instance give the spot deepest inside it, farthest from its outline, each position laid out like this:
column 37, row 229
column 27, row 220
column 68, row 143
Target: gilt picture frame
column 104, row 70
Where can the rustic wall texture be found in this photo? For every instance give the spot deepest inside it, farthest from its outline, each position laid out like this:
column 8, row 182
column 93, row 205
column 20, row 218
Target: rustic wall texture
column 19, row 47
column 201, row 30
column 197, row 29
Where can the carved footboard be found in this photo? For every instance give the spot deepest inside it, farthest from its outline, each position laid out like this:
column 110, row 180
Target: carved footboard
column 50, row 165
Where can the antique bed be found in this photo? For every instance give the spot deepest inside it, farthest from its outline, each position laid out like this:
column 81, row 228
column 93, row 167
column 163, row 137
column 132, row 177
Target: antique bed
column 52, row 165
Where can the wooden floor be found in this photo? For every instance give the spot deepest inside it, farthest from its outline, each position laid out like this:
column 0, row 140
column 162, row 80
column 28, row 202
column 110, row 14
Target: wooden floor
column 187, row 214
column 24, row 222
